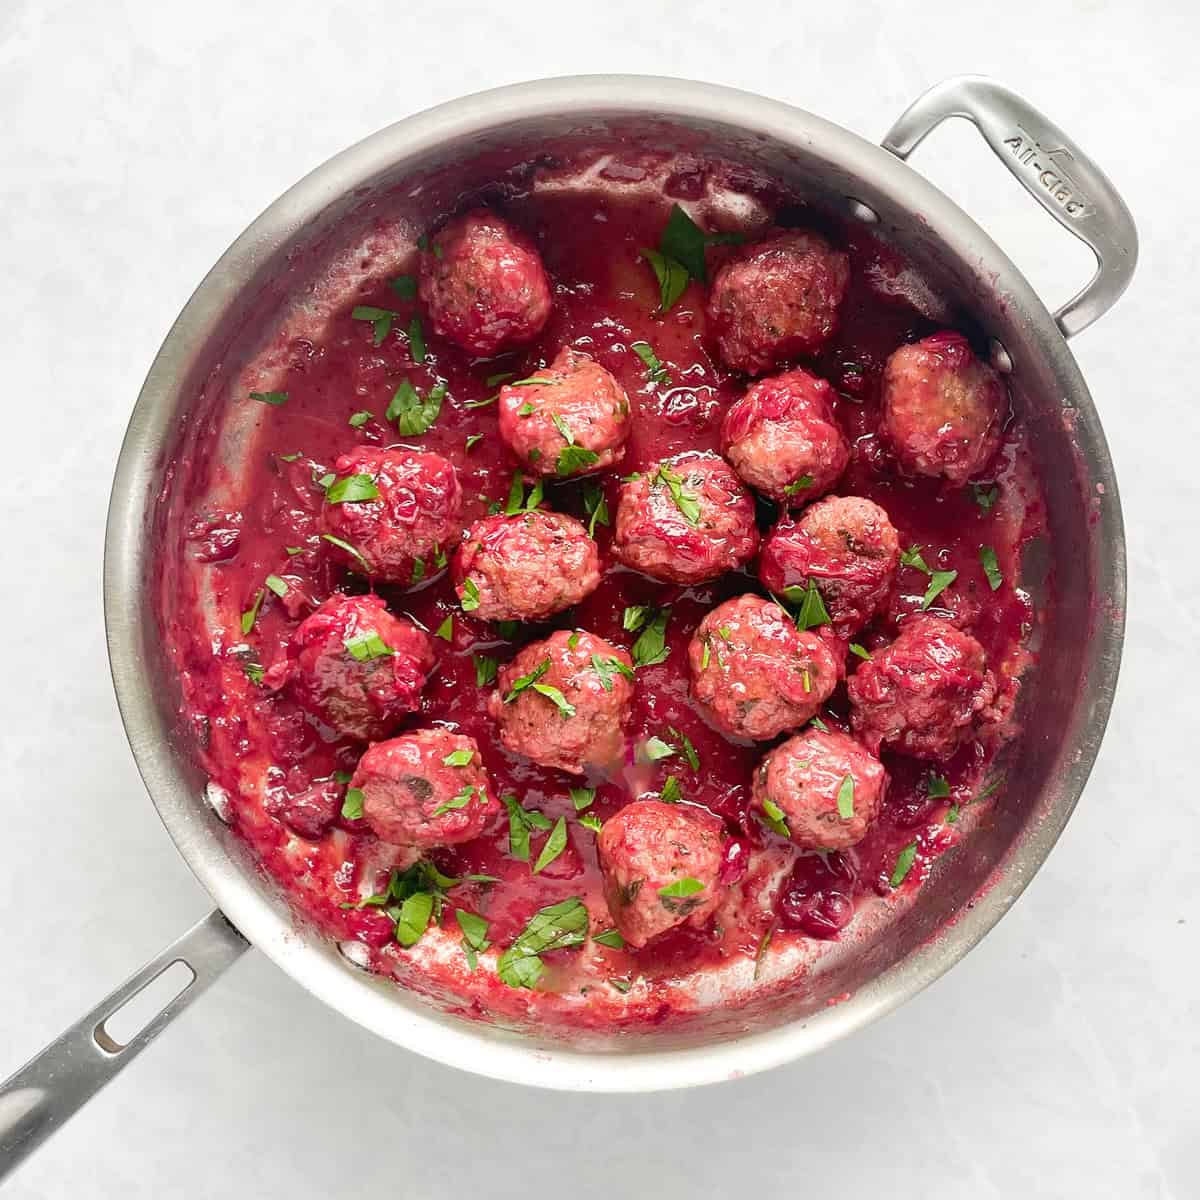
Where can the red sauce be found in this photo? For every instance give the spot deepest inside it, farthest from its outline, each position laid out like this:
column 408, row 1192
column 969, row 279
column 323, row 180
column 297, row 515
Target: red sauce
column 604, row 300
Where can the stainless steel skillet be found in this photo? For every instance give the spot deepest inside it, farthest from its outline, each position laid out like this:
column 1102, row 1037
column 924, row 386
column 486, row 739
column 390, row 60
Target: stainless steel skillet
column 1067, row 699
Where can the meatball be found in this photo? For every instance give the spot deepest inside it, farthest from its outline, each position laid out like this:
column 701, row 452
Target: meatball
column 525, row 567
column 416, row 793
column 821, row 790
column 355, row 666
column 754, row 673
column 777, row 298
column 783, row 440
column 661, row 864
column 564, row 702
column 685, row 520
column 401, row 533
column 575, row 422
column 924, row 694
column 483, row 284
column 942, row 407
column 847, row 547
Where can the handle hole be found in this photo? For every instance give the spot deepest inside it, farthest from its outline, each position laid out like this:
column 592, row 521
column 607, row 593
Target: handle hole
column 120, row 1027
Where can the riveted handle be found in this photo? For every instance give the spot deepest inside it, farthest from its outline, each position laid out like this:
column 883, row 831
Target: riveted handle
column 58, row 1081
column 1051, row 167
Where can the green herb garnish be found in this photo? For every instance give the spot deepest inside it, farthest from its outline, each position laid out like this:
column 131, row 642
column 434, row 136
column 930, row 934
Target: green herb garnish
column 275, row 399
column 351, row 489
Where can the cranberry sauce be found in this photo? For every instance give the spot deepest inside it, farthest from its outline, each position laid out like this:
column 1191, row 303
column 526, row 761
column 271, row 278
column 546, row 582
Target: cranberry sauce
column 604, row 301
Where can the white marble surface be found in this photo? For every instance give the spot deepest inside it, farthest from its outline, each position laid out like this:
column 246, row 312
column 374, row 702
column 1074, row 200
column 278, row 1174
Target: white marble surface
column 1060, row 1059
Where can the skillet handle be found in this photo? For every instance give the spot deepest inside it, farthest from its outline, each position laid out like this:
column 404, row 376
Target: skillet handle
column 1050, row 167
column 58, row 1081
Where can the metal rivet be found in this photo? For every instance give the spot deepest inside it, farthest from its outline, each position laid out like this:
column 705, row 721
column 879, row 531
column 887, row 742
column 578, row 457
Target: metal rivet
column 862, row 212
column 1000, row 357
column 357, row 954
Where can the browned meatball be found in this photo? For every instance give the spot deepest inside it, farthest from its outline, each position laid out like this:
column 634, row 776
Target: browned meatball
column 754, row 673
column 574, row 423
column 355, row 666
column 661, row 864
column 777, row 298
column 942, row 407
column 483, row 284
column 820, row 789
column 925, row 694
column 425, row 788
column 525, row 567
column 783, row 440
column 565, row 702
column 847, row 547
column 685, row 520
column 409, row 520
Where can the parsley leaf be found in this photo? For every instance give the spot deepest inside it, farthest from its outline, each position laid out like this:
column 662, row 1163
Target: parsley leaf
column 592, row 822
column 459, row 800
column 274, row 399
column 416, row 341
column 798, row 485
column 469, row 601
column 418, row 570
column 445, row 630
column 485, row 669
column 556, row 843
column 654, row 749
column 651, row 646
column 774, row 817
column 672, row 277
column 686, row 502
column 520, row 822
column 904, row 862
column 352, row 805
column 458, row 758
column 573, row 459
column 939, row 581
column 526, row 681
column 277, row 585
column 936, row 786
column 352, row 488
column 413, row 918
column 379, row 318
column 412, row 414
column 564, row 706
column 671, row 791
column 912, row 558
column 563, row 429
column 991, row 567
column 359, row 419
column 656, row 374
column 610, row 938
column 405, row 286
column 474, row 935
column 349, row 549
column 813, row 612
column 861, row 651
column 582, row 797
column 680, row 889
column 985, row 497
column 684, row 744
column 606, row 668
column 251, row 614
column 367, row 646
column 595, row 506
column 556, row 927
column 472, row 440
column 634, row 617
column 845, row 798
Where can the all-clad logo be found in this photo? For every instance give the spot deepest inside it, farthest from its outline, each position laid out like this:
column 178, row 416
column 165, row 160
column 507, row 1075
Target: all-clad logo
column 1049, row 168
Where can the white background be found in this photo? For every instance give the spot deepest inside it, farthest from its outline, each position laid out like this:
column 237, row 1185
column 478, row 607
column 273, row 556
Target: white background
column 1060, row 1059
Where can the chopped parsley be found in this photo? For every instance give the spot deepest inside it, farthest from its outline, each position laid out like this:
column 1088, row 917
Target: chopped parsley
column 418, row 570
column 775, row 818
column 354, row 553
column 405, row 286
column 592, row 822
column 685, row 501
column 274, row 399
column 359, row 419
column 469, row 601
column 904, row 862
column 380, row 320
column 680, row 889
column 277, row 585
column 861, row 651
column 672, row 277
column 527, row 681
column 654, row 749
column 473, row 439
column 563, row 429
column 352, row 488
column 412, row 413
column 812, row 611
column 445, row 630
column 457, row 801
column 991, row 567
column 254, row 670
column 651, row 646
column 656, row 374
column 912, row 558
column 683, row 744
column 573, row 459
column 595, row 506
column 517, row 501
column 367, row 646
column 526, row 410
column 352, row 805
column 458, row 758
column 521, row 821
column 251, row 614
column 939, row 581
column 936, row 786
column 606, row 668
column 556, row 843
column 635, row 616
column 680, row 255
column 610, row 938
column 985, row 497
column 496, row 380
column 582, row 797
column 416, row 340
column 474, row 935
column 556, row 927
column 817, row 723
column 564, row 706
column 672, row 790
column 413, row 918
column 845, row 798
column 798, row 485
column 485, row 669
